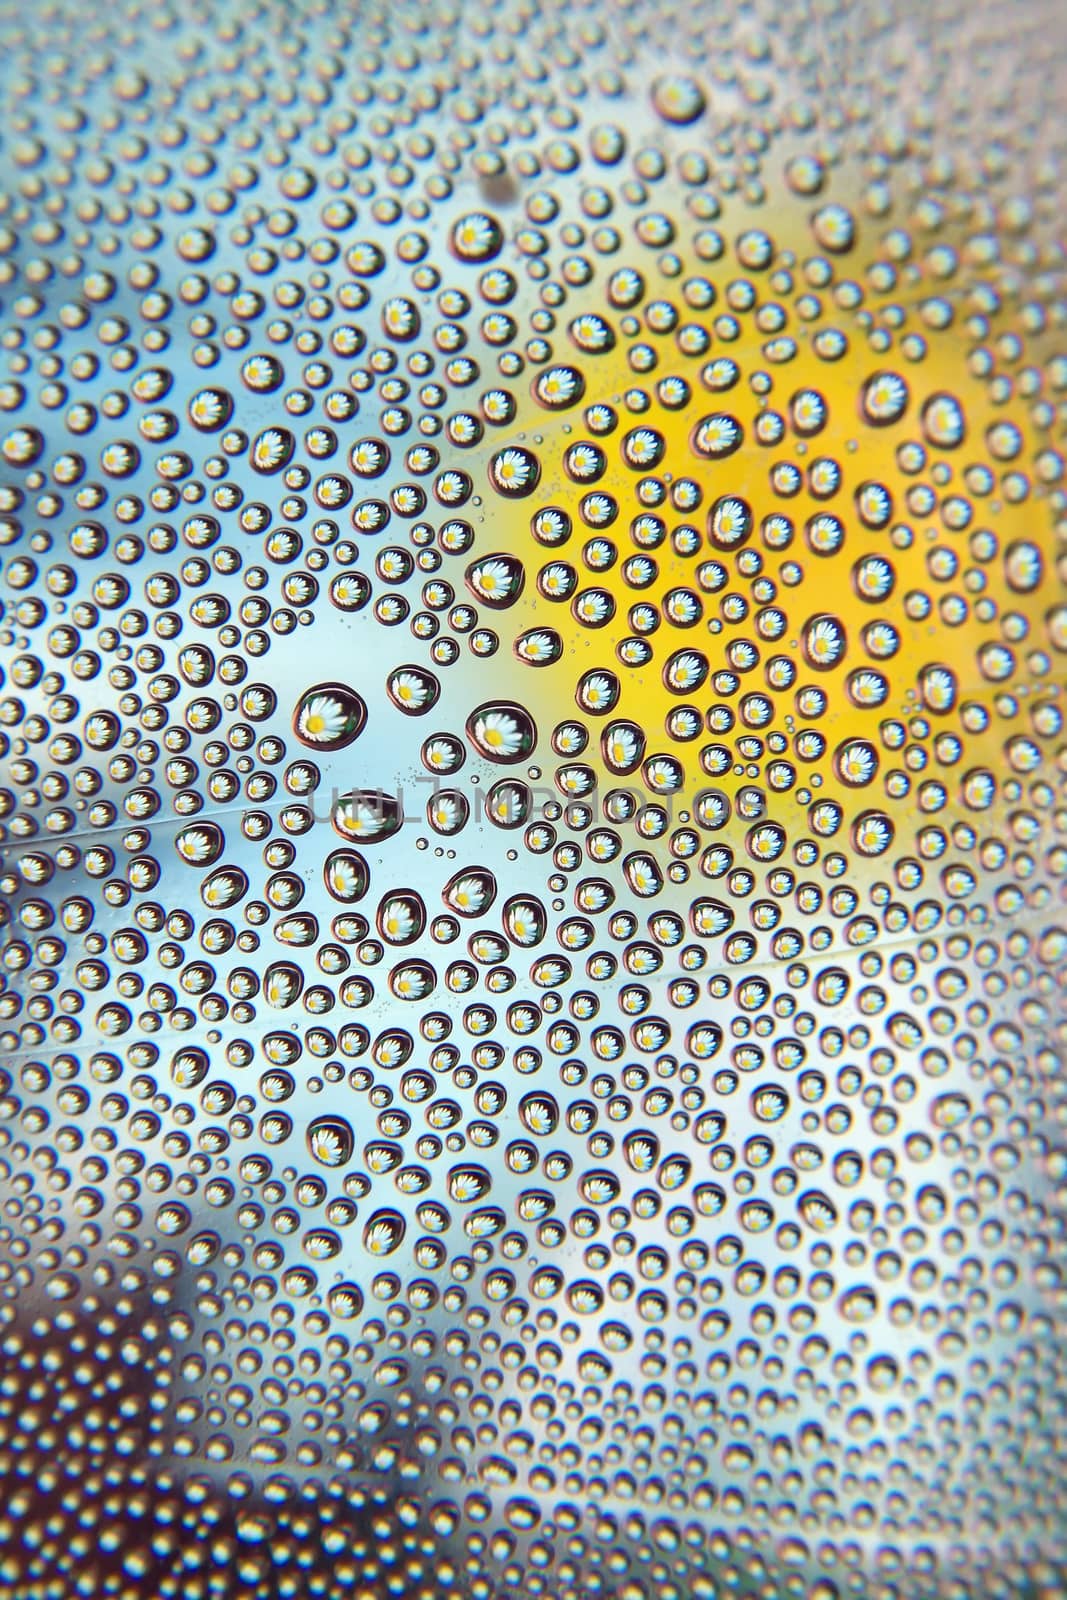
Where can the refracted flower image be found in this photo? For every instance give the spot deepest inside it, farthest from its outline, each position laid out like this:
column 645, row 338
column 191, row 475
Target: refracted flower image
column 533, row 800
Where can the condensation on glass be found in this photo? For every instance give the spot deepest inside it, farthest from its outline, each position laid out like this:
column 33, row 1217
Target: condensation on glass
column 532, row 787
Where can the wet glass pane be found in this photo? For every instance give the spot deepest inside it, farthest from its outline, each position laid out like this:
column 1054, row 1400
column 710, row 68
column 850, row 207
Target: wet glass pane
column 532, row 796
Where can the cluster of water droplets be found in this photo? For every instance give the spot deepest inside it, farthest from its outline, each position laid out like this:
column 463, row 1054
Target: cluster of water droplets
column 531, row 1033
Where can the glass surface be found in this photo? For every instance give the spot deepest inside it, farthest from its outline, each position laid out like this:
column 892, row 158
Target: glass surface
column 532, row 786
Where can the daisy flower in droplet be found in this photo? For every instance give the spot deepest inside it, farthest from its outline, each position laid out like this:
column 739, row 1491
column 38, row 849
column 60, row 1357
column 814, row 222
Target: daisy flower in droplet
column 824, row 642
column 512, row 469
column 505, row 806
column 397, row 922
column 359, row 819
column 597, row 693
column 463, row 430
column 439, row 755
column 886, row 396
column 493, row 579
column 391, row 564
column 569, row 739
column 443, row 813
column 410, row 983
column 380, row 1239
column 881, row 640
column 731, row 520
column 938, row 689
column 497, row 405
column 475, row 235
column 367, row 457
column 207, row 610
column 524, row 924
column 809, row 410
column 555, row 581
column 643, row 961
column 573, row 781
column 710, row 919
column 550, row 973
column 540, row 1117
column 824, row 477
column 83, row 540
column 411, row 690
column 867, row 688
column 388, row 1052
column 406, row 500
column 468, row 895
column 591, row 607
column 686, row 670
column 717, row 435
column 598, row 509
column 258, row 370
column 661, row 776
column 825, row 534
column 115, row 458
column 450, row 487
column 398, row 316
column 857, row 764
column 643, row 447
column 538, row 647
column 590, row 333
column 279, row 988
column 497, row 328
column 97, row 731
column 648, row 1036
column 321, row 718
column 499, row 732
column 550, row 526
column 683, row 608
column 557, row 385
column 465, row 1186
column 348, row 589
column 874, row 503
column 644, row 878
column 583, row 461
column 195, row 845
column 254, row 703
column 621, row 747
column 269, row 448
column 301, row 778
column 685, row 724
column 218, row 890
column 872, row 836
column 765, row 844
